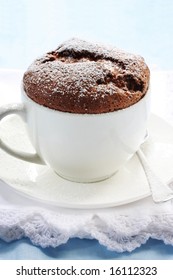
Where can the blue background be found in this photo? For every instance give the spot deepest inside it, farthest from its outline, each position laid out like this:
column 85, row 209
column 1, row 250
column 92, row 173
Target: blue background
column 29, row 28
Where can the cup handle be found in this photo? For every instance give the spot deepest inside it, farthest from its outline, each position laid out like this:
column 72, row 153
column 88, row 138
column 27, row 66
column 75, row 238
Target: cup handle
column 18, row 109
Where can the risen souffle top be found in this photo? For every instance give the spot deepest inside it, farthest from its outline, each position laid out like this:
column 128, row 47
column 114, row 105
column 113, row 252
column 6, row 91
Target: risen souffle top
column 87, row 78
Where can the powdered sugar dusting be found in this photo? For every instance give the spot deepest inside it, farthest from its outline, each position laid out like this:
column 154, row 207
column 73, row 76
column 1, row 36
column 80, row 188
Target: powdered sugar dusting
column 84, row 77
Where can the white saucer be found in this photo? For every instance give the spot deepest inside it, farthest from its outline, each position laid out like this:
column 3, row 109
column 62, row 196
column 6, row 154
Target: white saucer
column 127, row 185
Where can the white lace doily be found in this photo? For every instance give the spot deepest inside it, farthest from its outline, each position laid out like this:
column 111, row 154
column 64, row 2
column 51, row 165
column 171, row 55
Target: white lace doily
column 120, row 229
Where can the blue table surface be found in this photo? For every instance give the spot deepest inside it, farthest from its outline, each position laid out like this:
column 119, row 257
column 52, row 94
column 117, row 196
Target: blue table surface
column 84, row 249
column 31, row 27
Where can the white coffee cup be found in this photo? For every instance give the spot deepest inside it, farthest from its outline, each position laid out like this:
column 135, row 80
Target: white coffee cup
column 81, row 147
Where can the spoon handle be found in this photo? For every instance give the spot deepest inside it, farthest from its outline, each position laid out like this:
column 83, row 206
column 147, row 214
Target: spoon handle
column 159, row 190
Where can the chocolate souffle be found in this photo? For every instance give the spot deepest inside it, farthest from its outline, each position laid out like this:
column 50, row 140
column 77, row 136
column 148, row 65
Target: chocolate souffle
column 87, row 78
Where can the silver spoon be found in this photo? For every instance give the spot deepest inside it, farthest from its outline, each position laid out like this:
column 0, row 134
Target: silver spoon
column 159, row 190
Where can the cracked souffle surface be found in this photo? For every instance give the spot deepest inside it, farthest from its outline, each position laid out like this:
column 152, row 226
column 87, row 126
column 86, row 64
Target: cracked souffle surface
column 87, row 78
